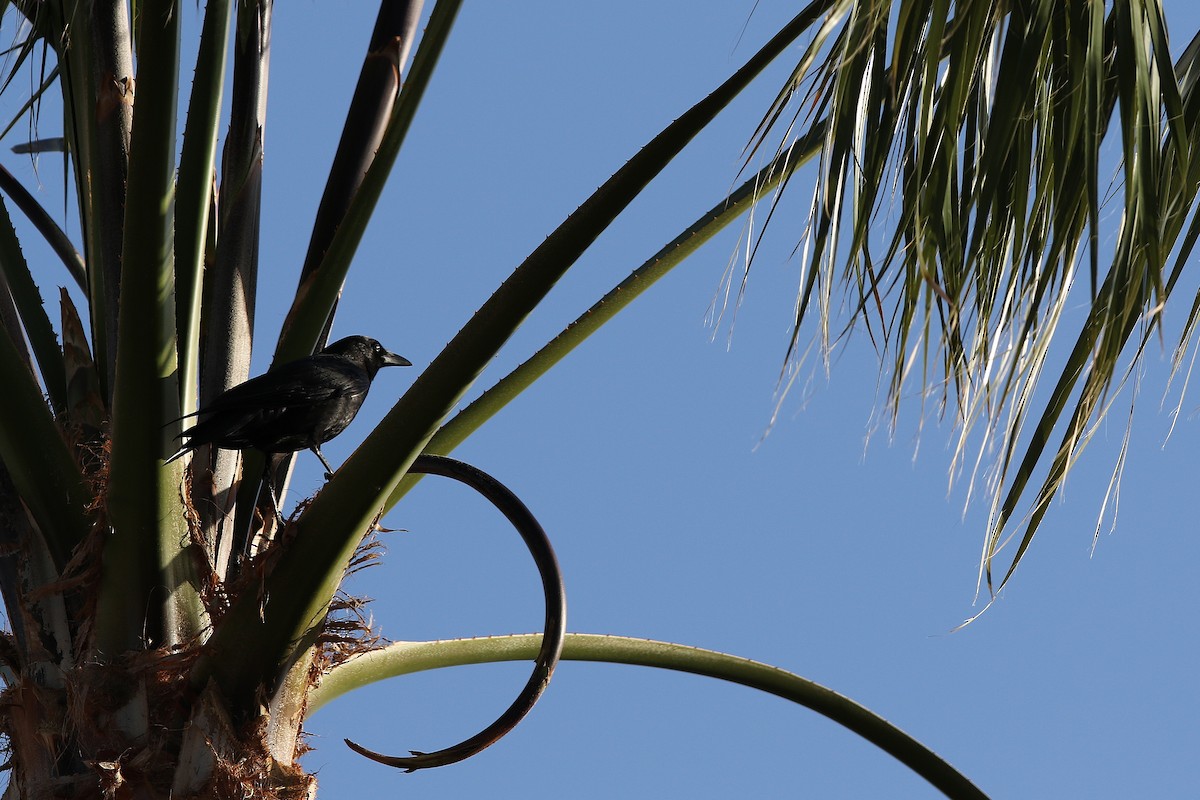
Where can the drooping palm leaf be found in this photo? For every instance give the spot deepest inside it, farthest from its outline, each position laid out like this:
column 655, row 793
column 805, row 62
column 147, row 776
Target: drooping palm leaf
column 980, row 129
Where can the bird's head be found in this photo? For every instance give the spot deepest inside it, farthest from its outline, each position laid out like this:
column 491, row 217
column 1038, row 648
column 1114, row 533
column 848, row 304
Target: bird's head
column 367, row 352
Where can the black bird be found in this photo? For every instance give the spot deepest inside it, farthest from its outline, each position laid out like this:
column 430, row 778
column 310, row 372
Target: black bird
column 299, row 405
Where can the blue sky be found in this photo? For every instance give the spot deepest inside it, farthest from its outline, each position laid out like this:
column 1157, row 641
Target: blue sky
column 845, row 560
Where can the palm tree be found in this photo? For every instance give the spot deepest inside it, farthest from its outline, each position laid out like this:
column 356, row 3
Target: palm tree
column 135, row 607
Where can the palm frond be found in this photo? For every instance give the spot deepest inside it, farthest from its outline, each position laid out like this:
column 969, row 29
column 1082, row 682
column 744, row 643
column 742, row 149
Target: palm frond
column 983, row 128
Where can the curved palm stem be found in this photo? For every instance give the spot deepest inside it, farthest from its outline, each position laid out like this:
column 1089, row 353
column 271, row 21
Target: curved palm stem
column 555, row 626
column 402, row 658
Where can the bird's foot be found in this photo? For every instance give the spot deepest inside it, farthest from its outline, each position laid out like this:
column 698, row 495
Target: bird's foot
column 328, row 476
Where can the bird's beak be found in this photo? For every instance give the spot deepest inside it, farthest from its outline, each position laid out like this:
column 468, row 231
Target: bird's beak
column 392, row 360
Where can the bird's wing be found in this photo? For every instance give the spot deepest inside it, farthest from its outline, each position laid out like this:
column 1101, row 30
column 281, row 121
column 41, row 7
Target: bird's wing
column 307, row 381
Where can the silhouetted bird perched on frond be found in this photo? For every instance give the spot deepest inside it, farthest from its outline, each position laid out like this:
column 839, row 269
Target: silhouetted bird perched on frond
column 299, row 405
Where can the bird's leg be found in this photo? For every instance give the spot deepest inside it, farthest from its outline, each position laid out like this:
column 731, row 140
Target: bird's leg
column 269, row 480
column 328, row 469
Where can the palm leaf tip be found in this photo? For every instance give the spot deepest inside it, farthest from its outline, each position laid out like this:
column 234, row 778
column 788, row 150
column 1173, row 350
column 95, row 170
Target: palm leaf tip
column 984, row 131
